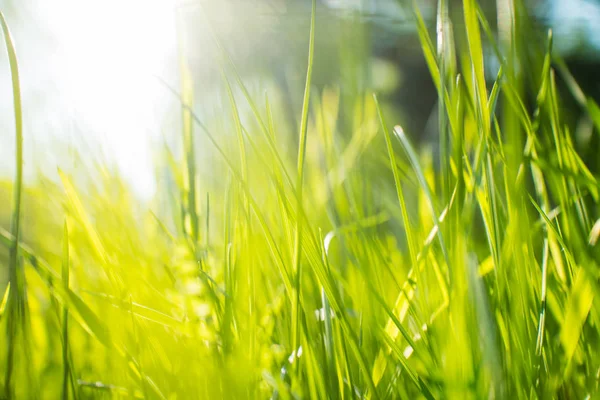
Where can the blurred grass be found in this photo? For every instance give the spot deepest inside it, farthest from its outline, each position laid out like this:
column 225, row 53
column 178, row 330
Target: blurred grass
column 357, row 266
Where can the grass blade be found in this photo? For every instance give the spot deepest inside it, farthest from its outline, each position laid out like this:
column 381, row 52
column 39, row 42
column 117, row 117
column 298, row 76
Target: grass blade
column 477, row 64
column 65, row 314
column 423, row 182
column 300, row 180
column 16, row 306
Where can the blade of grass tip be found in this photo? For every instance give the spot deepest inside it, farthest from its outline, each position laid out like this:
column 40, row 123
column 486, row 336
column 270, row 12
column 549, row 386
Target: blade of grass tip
column 459, row 138
column 437, row 72
column 584, row 101
column 557, row 234
column 301, row 155
column 405, row 220
column 15, row 297
column 442, row 34
column 493, row 99
column 426, row 45
column 477, row 63
column 490, row 35
column 541, row 96
column 65, row 313
column 542, row 320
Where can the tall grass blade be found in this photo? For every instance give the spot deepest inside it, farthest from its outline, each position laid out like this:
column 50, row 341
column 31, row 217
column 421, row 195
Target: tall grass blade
column 191, row 219
column 297, row 267
column 414, row 160
column 477, row 63
column 65, row 314
column 16, row 302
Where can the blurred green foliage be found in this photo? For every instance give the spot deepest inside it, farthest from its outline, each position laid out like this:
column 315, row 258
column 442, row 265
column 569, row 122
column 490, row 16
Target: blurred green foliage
column 386, row 271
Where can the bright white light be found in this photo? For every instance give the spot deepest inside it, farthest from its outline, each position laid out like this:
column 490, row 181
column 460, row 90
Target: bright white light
column 108, row 55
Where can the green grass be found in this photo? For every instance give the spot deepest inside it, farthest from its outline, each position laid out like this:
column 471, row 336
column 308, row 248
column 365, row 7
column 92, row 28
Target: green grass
column 356, row 266
column 15, row 306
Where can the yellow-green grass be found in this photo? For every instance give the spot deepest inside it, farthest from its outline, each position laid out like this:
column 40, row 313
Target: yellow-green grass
column 354, row 266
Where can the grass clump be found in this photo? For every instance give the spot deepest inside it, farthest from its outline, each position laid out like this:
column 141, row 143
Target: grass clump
column 370, row 270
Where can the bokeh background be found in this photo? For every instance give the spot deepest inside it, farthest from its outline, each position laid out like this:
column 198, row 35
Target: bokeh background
column 94, row 73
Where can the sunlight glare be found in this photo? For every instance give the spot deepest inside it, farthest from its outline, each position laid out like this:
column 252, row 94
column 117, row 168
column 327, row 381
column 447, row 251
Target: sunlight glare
column 110, row 52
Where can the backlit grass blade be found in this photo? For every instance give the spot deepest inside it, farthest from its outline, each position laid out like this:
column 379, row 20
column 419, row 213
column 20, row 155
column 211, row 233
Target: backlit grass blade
column 4, row 300
column 406, row 294
column 471, row 272
column 477, row 62
column 191, row 219
column 65, row 314
column 16, row 303
column 326, row 313
column 94, row 237
column 238, row 129
column 438, row 71
column 423, row 388
column 543, row 295
column 18, row 115
column 412, row 156
column 586, row 102
column 141, row 311
column 578, row 307
column 444, row 50
column 426, row 45
column 236, row 174
column 405, row 219
column 264, row 128
column 297, row 267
